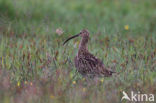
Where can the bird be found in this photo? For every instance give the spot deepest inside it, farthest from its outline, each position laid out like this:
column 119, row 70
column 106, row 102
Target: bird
column 86, row 63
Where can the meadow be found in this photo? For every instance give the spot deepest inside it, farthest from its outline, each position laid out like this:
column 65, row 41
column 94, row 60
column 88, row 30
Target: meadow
column 36, row 68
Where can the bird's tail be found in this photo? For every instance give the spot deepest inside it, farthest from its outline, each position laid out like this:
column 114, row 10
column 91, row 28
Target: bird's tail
column 109, row 73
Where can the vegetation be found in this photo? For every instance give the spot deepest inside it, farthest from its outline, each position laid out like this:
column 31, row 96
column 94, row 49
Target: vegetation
column 36, row 68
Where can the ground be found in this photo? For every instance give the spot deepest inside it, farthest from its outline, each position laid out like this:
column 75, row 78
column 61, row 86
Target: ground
column 36, row 68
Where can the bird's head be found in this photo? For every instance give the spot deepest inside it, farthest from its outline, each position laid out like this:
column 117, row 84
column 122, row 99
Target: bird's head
column 83, row 33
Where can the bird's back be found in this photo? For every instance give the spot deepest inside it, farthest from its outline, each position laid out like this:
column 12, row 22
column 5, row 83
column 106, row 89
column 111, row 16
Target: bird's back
column 88, row 65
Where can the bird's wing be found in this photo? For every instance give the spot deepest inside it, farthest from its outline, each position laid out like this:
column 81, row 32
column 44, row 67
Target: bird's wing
column 86, row 64
column 97, row 65
column 92, row 59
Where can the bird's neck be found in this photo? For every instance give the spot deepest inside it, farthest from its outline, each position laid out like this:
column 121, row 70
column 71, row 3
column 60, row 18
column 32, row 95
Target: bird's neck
column 83, row 46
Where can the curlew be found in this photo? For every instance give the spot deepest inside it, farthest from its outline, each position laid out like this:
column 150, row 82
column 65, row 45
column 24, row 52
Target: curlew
column 86, row 63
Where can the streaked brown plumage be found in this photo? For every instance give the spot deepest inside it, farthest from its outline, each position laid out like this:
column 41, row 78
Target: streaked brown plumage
column 86, row 63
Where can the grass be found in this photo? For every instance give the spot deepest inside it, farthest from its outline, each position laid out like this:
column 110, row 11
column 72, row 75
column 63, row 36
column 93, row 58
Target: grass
column 36, row 67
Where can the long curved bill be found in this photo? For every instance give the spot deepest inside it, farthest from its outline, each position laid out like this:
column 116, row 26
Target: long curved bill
column 71, row 38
